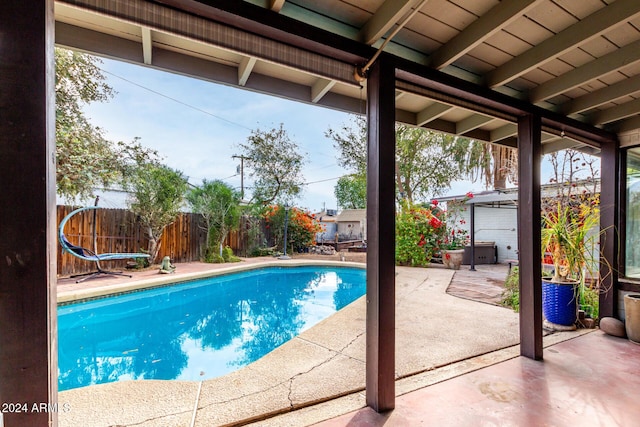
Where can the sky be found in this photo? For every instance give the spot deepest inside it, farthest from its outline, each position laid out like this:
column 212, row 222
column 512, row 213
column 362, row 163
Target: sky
column 197, row 126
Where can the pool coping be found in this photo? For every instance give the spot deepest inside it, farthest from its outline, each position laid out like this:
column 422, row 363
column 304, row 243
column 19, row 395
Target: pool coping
column 76, row 295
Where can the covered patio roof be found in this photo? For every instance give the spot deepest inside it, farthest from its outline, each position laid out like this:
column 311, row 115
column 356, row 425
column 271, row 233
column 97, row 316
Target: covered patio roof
column 575, row 63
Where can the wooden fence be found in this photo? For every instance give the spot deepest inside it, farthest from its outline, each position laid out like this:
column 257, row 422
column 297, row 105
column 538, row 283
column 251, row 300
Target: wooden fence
column 117, row 230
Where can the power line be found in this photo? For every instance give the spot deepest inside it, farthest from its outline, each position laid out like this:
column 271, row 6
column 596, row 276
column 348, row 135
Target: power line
column 219, row 118
column 176, row 100
column 325, row 180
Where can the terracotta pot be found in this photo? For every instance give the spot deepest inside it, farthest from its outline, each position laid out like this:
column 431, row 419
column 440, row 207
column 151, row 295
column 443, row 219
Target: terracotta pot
column 452, row 258
column 632, row 317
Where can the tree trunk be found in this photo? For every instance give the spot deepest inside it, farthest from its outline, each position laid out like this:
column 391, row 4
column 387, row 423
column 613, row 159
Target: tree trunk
column 499, row 175
column 154, row 245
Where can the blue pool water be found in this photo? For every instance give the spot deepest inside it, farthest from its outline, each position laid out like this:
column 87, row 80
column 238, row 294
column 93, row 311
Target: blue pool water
column 197, row 330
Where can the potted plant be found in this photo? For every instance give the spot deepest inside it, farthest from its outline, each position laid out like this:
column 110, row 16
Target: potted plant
column 569, row 239
column 632, row 317
column 455, row 237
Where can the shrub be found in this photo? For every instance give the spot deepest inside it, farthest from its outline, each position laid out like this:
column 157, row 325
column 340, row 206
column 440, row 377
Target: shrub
column 301, row 227
column 590, row 300
column 263, row 252
column 511, row 293
column 417, row 234
column 214, row 258
column 228, row 256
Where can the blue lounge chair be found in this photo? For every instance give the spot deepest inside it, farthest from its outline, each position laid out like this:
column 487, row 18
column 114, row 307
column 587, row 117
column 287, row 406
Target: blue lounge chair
column 91, row 255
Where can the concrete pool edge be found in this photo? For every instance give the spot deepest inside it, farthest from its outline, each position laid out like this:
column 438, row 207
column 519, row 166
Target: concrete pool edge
column 70, row 296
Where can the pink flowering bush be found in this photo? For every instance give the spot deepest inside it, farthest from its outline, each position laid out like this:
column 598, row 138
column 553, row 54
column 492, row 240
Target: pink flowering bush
column 417, row 231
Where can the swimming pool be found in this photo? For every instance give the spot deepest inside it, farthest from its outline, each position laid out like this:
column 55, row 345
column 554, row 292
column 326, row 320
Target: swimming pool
column 200, row 329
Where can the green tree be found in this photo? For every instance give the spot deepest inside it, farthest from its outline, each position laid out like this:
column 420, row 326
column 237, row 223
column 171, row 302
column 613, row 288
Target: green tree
column 219, row 205
column 351, row 142
column 351, row 192
column 275, row 164
column 157, row 196
column 426, row 161
column 492, row 163
column 85, row 158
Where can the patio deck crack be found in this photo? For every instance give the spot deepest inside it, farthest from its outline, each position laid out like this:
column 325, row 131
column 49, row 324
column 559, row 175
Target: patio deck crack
column 324, row 362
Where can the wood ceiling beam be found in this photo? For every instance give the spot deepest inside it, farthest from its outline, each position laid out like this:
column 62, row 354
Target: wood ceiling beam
column 616, row 113
column 620, row 58
column 276, row 5
column 581, row 32
column 431, row 113
column 245, row 68
column 558, row 144
column 441, row 125
column 472, row 122
column 602, row 96
column 320, row 89
column 147, row 45
column 275, row 26
column 480, row 30
column 174, row 62
column 631, row 124
column 387, row 15
column 459, row 92
column 503, row 132
column 254, row 20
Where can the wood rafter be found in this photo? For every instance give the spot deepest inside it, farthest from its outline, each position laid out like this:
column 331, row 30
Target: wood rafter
column 625, row 56
column 480, row 30
column 619, row 112
column 472, row 122
column 558, row 144
column 306, row 43
column 384, row 19
column 147, row 45
column 431, row 113
column 245, row 68
column 628, row 125
column 276, row 5
column 503, row 132
column 602, row 96
column 320, row 89
column 581, row 32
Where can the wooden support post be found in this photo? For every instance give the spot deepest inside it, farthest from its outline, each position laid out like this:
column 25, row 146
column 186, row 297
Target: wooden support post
column 529, row 236
column 609, row 222
column 28, row 350
column 380, row 367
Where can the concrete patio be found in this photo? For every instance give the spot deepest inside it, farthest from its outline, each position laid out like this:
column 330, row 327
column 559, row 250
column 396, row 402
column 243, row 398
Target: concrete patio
column 321, row 373
column 588, row 380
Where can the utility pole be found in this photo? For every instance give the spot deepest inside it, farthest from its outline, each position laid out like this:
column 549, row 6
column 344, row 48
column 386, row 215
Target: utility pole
column 241, row 174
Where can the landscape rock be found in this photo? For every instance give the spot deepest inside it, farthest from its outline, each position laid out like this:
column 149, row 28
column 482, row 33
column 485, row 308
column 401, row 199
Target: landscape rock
column 588, row 323
column 612, row 326
column 322, row 250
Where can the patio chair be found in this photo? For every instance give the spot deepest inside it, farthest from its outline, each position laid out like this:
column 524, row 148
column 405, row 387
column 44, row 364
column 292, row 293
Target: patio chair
column 92, row 255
